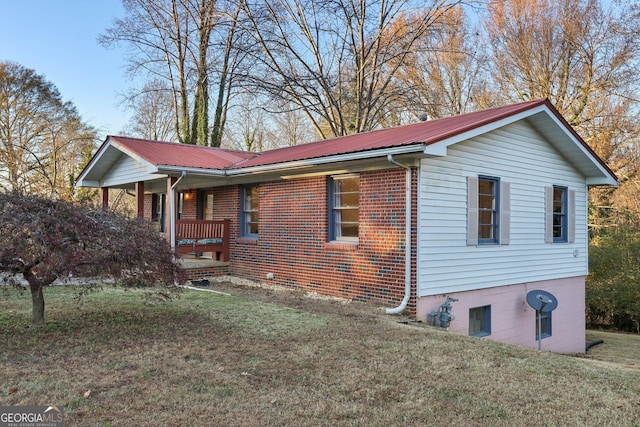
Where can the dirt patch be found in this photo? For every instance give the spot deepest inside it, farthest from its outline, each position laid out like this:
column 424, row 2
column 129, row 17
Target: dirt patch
column 299, row 299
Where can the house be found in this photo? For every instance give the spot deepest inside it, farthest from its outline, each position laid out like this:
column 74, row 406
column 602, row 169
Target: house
column 480, row 208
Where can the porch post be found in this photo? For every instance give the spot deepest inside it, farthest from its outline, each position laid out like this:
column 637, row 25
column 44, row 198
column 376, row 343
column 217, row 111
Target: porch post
column 171, row 211
column 104, row 193
column 140, row 198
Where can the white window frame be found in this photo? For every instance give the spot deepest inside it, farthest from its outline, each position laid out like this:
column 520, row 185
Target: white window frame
column 336, row 207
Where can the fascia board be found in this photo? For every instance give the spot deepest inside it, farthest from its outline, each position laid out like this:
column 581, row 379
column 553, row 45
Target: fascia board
column 170, row 169
column 417, row 148
column 297, row 165
column 80, row 180
column 606, row 178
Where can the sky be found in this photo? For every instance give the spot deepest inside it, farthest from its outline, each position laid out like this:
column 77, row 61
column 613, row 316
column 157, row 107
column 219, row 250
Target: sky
column 57, row 39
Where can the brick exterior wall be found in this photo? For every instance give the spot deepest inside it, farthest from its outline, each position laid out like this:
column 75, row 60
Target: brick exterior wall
column 148, row 208
column 189, row 207
column 293, row 241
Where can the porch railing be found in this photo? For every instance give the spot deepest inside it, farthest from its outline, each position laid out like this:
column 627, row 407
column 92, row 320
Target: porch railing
column 195, row 236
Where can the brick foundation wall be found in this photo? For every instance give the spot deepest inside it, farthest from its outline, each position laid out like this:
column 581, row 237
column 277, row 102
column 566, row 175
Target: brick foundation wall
column 201, row 273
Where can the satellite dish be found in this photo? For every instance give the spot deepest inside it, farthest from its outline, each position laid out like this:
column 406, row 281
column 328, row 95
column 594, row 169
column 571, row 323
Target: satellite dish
column 542, row 301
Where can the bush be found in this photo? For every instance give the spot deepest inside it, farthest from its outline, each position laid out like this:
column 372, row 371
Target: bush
column 613, row 284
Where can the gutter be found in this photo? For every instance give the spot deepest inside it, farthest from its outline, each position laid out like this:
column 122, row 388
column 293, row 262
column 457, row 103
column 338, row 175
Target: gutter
column 295, row 164
column 172, row 215
column 407, row 239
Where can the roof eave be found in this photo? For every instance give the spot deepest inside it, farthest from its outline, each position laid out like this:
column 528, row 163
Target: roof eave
column 415, row 148
column 594, row 181
column 177, row 170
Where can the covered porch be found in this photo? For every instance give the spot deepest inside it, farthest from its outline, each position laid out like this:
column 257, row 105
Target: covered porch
column 203, row 244
column 183, row 216
column 170, row 185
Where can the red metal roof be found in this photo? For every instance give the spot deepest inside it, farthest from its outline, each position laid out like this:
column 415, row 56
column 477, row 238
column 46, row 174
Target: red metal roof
column 176, row 154
column 427, row 132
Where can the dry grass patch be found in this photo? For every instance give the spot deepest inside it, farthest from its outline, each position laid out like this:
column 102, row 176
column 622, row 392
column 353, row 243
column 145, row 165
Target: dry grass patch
column 266, row 357
column 619, row 348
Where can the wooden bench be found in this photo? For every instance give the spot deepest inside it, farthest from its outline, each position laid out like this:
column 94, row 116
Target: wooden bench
column 194, row 236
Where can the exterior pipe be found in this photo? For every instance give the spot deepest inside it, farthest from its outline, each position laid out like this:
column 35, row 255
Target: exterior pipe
column 407, row 239
column 172, row 207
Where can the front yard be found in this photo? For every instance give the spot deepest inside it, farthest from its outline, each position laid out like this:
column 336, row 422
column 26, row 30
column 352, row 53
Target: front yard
column 268, row 357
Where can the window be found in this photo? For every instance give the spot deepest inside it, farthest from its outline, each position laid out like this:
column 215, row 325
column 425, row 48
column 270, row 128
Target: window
column 250, row 211
column 488, row 211
column 344, row 207
column 543, row 324
column 480, row 321
column 560, row 215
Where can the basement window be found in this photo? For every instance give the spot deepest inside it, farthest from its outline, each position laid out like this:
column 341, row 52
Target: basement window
column 543, row 325
column 480, row 321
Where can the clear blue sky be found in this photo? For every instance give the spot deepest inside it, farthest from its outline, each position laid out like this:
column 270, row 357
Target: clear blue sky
column 57, row 39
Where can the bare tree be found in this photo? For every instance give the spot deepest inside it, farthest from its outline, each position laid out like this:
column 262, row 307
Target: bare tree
column 42, row 138
column 156, row 32
column 583, row 56
column 153, row 112
column 230, row 51
column 335, row 59
column 291, row 127
column 172, row 40
column 445, row 74
column 248, row 129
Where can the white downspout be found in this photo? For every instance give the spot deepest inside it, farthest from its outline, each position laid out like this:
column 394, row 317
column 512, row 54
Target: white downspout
column 407, row 239
column 172, row 207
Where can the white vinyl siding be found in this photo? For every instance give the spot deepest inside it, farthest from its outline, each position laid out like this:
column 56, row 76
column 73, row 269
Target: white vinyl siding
column 522, row 158
column 125, row 171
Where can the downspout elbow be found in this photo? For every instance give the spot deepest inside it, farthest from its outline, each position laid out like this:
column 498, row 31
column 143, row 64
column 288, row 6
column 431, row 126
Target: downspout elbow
column 407, row 266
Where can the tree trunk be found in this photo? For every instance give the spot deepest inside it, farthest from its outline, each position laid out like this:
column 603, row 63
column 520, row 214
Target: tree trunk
column 36, row 284
column 37, row 314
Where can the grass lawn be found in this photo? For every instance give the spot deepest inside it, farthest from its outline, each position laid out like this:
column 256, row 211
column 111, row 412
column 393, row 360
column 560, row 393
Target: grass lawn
column 267, row 357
